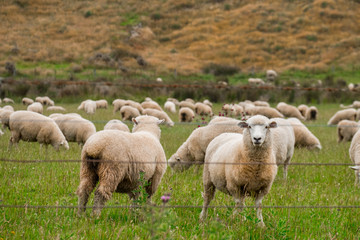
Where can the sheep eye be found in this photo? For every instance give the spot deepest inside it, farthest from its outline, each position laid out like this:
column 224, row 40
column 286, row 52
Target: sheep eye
column 178, row 159
column 249, row 127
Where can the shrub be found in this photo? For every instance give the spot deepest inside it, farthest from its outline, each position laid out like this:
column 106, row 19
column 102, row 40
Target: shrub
column 219, row 69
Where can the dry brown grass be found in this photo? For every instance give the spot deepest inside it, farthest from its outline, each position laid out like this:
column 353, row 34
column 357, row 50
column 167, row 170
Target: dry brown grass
column 185, row 35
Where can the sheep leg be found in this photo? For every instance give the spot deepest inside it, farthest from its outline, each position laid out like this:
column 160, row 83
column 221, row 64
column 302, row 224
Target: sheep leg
column 357, row 178
column 286, row 165
column 239, row 205
column 209, row 193
column 86, row 186
column 259, row 210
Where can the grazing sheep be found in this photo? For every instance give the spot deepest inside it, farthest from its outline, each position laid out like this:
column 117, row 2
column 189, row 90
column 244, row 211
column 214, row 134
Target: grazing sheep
column 116, row 124
column 121, row 158
column 159, row 115
column 355, row 104
column 151, row 104
column 226, row 109
column 266, row 111
column 36, row 107
column 45, row 101
column 82, row 105
column 34, row 127
column 190, row 100
column 271, row 75
column 346, row 129
column 256, row 81
column 346, row 114
column 102, row 103
column 311, row 113
column 186, row 114
column 170, row 107
column 27, row 101
column 8, row 100
column 303, row 109
column 249, row 164
column 303, row 136
column 8, row 107
column 90, row 107
column 192, row 151
column 187, row 104
column 289, row 110
column 207, row 102
column 354, row 152
column 174, row 100
column 74, row 128
column 134, row 104
column 4, row 117
column 203, row 109
column 236, row 110
column 128, row 112
column 261, row 103
column 56, row 108
column 118, row 104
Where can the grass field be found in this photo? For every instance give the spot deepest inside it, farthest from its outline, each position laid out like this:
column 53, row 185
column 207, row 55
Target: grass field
column 54, row 184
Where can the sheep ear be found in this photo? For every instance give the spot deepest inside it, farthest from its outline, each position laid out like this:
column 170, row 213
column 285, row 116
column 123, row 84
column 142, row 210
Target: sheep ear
column 273, row 125
column 134, row 121
column 355, row 167
column 160, row 121
column 243, row 125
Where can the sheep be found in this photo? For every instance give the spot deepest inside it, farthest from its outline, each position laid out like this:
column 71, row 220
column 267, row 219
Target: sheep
column 128, row 112
column 354, row 152
column 266, row 111
column 45, row 101
column 134, row 104
column 207, row 102
column 74, row 128
column 8, row 107
column 159, row 115
column 236, row 110
column 283, row 142
column 36, row 107
column 4, row 117
column 346, row 114
column 190, row 100
column 27, row 101
column 355, row 104
column 116, row 124
column 187, row 104
column 303, row 109
column 151, row 104
column 271, row 75
column 121, row 158
column 289, row 110
column 261, row 103
column 56, row 108
column 192, row 151
column 346, row 130
column 90, row 107
column 248, row 164
column 256, row 81
column 101, row 103
column 303, row 136
column 226, row 109
column 311, row 113
column 34, row 127
column 174, row 100
column 170, row 107
column 186, row 114
column 203, row 109
column 8, row 100
column 118, row 104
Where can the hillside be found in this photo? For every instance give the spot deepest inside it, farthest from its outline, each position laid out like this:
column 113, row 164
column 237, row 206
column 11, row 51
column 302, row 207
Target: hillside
column 182, row 35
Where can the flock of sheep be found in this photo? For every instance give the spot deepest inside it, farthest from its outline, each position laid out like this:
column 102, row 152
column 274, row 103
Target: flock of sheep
column 240, row 157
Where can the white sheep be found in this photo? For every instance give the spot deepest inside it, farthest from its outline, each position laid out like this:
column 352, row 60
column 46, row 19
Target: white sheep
column 90, row 107
column 34, row 127
column 8, row 107
column 187, row 104
column 354, row 152
column 116, row 124
column 346, row 129
column 186, row 114
column 4, row 117
column 271, row 75
column 241, row 164
column 27, row 101
column 355, row 104
column 121, row 158
column 36, row 107
column 266, row 111
column 174, row 100
column 118, row 104
column 134, row 105
column 346, row 114
column 236, row 110
column 56, row 109
column 303, row 136
column 190, row 100
column 207, row 102
column 256, row 81
column 45, row 101
column 151, row 104
column 311, row 113
column 261, row 103
column 289, row 111
column 303, row 109
column 102, row 103
column 75, row 129
column 170, row 106
column 192, row 151
column 203, row 109
column 128, row 112
column 8, row 100
column 159, row 115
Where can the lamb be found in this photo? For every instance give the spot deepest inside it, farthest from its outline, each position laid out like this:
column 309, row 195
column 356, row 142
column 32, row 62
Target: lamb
column 266, row 111
column 116, row 124
column 354, row 152
column 187, row 104
column 56, row 109
column 249, row 164
column 192, row 151
column 346, row 130
column 289, row 110
column 151, row 104
column 170, row 107
column 355, row 104
column 311, row 113
column 271, row 75
column 128, row 112
column 118, row 104
column 90, row 106
column 346, row 114
column 186, row 114
column 27, row 101
column 4, row 117
column 303, row 109
column 34, row 127
column 101, row 103
column 8, row 100
column 121, row 158
column 159, row 115
column 74, row 128
column 36, row 107
column 303, row 136
column 203, row 109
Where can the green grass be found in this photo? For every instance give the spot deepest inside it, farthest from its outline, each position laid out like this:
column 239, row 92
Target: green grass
column 54, row 184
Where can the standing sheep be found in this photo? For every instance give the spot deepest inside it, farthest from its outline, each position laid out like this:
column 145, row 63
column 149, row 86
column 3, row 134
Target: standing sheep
column 36, row 107
column 248, row 164
column 355, row 104
column 8, row 100
column 151, row 104
column 271, row 75
column 90, row 107
column 121, row 157
column 346, row 114
column 289, row 110
column 4, row 117
column 187, row 104
column 102, row 103
column 34, row 127
column 134, row 104
column 346, row 129
column 186, row 114
column 170, row 107
column 311, row 113
column 354, row 152
column 159, row 115
column 118, row 104
column 203, row 109
column 128, row 112
column 303, row 109
column 27, row 101
column 116, row 124
column 56, row 109
column 303, row 136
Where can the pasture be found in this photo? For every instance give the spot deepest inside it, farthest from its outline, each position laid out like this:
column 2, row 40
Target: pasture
column 44, row 183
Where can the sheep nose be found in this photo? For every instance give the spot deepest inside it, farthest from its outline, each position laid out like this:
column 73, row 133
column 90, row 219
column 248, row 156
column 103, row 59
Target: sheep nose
column 257, row 139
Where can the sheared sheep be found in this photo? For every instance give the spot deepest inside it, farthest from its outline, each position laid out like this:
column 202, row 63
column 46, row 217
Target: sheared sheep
column 186, row 114
column 128, row 112
column 192, row 151
column 102, row 103
column 289, row 111
column 241, row 164
column 311, row 113
column 303, row 136
column 116, row 124
column 303, row 109
column 36, row 107
column 346, row 129
column 27, row 101
column 121, row 157
column 8, row 100
column 118, row 104
column 159, row 115
column 56, row 108
column 203, row 109
column 170, row 106
column 346, row 114
column 34, row 127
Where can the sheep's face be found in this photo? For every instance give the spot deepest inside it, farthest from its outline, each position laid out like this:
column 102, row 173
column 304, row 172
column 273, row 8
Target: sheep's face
column 181, row 160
